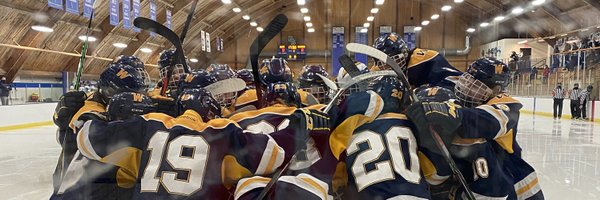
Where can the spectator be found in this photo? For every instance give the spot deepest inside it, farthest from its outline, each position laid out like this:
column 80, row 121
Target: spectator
column 5, row 89
column 574, row 96
column 559, row 95
column 584, row 98
column 532, row 75
column 546, row 74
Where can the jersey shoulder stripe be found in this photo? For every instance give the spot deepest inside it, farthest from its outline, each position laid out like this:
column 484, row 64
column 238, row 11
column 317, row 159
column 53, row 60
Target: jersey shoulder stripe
column 273, row 110
column 90, row 107
column 189, row 119
column 503, row 99
column 420, row 56
column 249, row 96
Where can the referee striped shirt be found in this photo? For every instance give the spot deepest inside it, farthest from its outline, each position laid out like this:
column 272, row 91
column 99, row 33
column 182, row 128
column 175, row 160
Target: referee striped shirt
column 558, row 93
column 584, row 97
column 575, row 94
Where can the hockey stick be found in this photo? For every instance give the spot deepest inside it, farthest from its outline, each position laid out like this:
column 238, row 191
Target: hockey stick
column 274, row 28
column 188, row 22
column 354, row 80
column 226, row 86
column 350, row 66
column 328, row 82
column 375, row 53
column 85, row 46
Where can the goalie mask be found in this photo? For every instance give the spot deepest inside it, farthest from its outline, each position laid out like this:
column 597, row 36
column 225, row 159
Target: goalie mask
column 128, row 104
column 282, row 93
column 119, row 78
column 343, row 77
column 313, row 84
column 136, row 63
column 484, row 78
column 201, row 101
column 223, row 72
column 170, row 68
column 394, row 46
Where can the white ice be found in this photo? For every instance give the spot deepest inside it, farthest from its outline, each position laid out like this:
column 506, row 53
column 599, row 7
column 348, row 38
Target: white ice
column 565, row 153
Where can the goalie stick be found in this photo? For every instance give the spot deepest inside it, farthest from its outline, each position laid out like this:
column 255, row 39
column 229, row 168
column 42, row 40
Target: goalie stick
column 375, row 53
column 354, row 80
column 274, row 28
column 350, row 66
column 85, row 46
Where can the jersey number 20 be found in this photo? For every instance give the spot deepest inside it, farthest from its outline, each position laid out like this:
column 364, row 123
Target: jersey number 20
column 384, row 169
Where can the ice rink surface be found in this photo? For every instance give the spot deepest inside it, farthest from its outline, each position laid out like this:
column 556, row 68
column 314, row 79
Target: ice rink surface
column 566, row 154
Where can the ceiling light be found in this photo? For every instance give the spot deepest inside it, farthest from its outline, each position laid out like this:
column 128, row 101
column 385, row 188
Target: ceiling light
column 370, row 18
column 564, row 35
column 418, row 28
column 537, row 2
column 246, row 17
column 425, row 23
column 364, row 30
column 499, row 18
column 90, row 38
column 435, row 16
column 517, row 10
column 301, row 2
column 458, row 1
column 260, row 29
column 584, row 30
column 446, row 8
column 374, row 10
column 309, row 24
column 237, row 10
column 120, row 45
column 522, row 42
column 311, row 30
column 226, row 1
column 470, row 30
column 41, row 28
column 366, row 25
column 379, row 2
column 253, row 23
column 541, row 40
column 484, row 24
column 194, row 60
column 307, row 18
column 304, row 10
column 146, row 50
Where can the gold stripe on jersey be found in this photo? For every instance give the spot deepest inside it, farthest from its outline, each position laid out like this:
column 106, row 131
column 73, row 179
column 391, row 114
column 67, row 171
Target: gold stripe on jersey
column 274, row 110
column 500, row 117
column 506, row 141
column 248, row 184
column 317, row 107
column 341, row 136
column 429, row 170
column 392, row 116
column 311, row 181
column 232, row 171
column 307, row 99
column 88, row 107
column 340, row 177
column 467, row 141
column 128, row 160
column 420, row 56
column 190, row 119
column 502, row 99
column 528, row 186
column 249, row 96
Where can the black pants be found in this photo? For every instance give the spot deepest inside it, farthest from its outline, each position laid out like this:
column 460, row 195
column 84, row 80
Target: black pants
column 558, row 104
column 584, row 110
column 575, row 112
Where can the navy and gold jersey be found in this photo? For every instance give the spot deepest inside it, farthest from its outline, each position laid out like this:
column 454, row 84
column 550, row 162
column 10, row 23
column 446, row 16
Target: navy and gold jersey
column 303, row 186
column 181, row 157
column 497, row 122
column 382, row 160
column 248, row 101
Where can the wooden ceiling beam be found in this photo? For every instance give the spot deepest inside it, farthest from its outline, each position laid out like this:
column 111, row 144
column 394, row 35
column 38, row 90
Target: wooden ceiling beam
column 594, row 3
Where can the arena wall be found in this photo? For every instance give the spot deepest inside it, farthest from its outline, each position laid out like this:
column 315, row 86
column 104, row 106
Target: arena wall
column 26, row 116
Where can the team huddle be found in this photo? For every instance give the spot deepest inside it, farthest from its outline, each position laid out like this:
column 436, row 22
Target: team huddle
column 282, row 138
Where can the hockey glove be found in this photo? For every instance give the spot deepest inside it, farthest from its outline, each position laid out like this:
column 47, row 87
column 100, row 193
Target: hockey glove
column 310, row 122
column 441, row 117
column 165, row 105
column 67, row 107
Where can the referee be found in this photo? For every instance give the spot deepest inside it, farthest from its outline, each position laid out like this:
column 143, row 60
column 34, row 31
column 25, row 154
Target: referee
column 559, row 95
column 574, row 96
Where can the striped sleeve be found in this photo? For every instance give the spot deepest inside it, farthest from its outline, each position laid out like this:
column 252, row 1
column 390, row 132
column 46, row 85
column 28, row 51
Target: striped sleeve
column 259, row 153
column 302, row 186
column 490, row 121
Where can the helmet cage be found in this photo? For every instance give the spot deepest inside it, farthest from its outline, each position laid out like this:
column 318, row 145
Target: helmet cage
column 471, row 92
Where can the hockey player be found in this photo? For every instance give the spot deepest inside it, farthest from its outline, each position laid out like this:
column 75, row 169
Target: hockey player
column 135, row 62
column 343, row 77
column 488, row 114
column 421, row 66
column 223, row 72
column 170, row 71
column 90, row 179
column 247, row 76
column 192, row 156
column 313, row 84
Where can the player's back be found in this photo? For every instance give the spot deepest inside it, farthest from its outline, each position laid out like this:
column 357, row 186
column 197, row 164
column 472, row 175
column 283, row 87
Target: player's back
column 180, row 158
column 382, row 160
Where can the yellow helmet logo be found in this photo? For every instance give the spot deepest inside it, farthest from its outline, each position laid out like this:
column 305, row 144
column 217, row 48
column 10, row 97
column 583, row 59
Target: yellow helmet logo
column 137, row 97
column 189, row 78
column 186, row 97
column 122, row 74
column 397, row 94
column 393, row 37
column 433, row 91
column 499, row 69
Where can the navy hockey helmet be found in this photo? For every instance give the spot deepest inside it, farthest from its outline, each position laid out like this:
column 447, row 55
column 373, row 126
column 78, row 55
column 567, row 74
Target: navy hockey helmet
column 128, row 104
column 135, row 62
column 427, row 93
column 484, row 78
column 343, row 77
column 247, row 76
column 118, row 78
column 170, row 68
column 394, row 46
column 201, row 101
column 198, row 79
column 393, row 92
column 313, row 84
column 223, row 72
column 275, row 70
column 282, row 93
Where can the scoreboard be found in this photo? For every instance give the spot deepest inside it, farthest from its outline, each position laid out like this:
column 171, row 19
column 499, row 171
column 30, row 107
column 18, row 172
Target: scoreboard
column 292, row 51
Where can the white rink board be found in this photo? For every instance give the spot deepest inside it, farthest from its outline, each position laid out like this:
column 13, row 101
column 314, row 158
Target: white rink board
column 27, row 113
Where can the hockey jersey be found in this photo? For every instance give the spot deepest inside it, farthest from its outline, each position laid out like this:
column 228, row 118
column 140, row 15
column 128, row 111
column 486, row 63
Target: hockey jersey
column 180, row 158
column 303, row 186
column 497, row 122
column 249, row 101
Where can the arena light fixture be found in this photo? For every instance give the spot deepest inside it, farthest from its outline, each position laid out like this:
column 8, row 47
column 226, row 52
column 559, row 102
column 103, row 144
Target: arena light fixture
column 146, row 50
column 309, row 24
column 259, row 29
column 226, row 1
column 311, row 30
column 564, row 34
column 304, row 10
column 253, row 23
column 523, row 42
column 499, row 18
column 366, row 24
column 435, row 16
column 364, row 30
column 90, row 38
column 418, row 28
column 237, row 10
column 379, row 2
column 458, row 1
column 370, row 18
column 246, row 17
column 517, row 10
column 541, row 40
column 374, row 10
column 119, row 45
column 538, row 2
column 301, row 2
column 42, row 28
column 307, row 18
column 484, row 24
column 194, row 60
column 470, row 30
column 446, row 8
column 425, row 23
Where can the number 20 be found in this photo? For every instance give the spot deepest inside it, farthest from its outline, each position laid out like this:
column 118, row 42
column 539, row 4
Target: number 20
column 383, row 169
